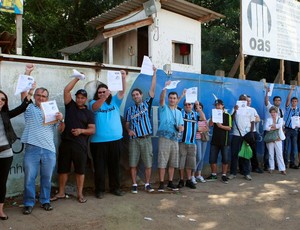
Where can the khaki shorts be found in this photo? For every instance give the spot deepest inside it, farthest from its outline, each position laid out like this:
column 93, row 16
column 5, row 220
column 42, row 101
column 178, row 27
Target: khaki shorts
column 187, row 156
column 140, row 148
column 167, row 153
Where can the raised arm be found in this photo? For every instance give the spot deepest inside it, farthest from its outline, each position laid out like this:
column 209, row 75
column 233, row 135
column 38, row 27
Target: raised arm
column 267, row 96
column 28, row 69
column 122, row 92
column 101, row 100
column 153, row 83
column 163, row 94
column 68, row 89
column 200, row 111
column 288, row 99
column 182, row 96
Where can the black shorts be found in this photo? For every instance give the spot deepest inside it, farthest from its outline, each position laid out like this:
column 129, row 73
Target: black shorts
column 71, row 152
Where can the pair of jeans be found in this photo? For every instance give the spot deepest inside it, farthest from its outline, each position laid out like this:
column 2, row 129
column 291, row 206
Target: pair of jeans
column 37, row 159
column 291, row 136
column 236, row 144
column 201, row 149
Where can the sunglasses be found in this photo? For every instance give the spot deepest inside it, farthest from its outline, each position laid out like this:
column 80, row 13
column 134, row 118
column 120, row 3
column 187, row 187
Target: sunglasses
column 187, row 104
column 40, row 95
column 101, row 92
column 3, row 99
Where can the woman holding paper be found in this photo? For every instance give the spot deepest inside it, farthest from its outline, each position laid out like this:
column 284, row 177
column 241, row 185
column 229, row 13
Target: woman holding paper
column 275, row 123
column 7, row 138
column 201, row 143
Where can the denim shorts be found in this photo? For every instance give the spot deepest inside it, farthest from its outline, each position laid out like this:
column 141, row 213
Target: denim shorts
column 214, row 152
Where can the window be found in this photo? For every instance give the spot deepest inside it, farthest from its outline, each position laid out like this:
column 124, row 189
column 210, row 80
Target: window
column 182, row 53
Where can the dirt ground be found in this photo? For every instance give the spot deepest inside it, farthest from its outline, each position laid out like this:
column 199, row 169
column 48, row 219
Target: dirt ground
column 269, row 201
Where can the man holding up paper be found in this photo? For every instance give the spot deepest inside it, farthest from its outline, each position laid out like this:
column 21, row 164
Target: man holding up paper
column 219, row 142
column 139, row 128
column 79, row 125
column 291, row 110
column 106, row 142
column 39, row 150
column 242, row 130
column 171, row 124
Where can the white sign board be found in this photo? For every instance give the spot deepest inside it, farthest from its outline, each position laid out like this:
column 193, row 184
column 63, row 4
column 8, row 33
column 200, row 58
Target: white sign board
column 270, row 28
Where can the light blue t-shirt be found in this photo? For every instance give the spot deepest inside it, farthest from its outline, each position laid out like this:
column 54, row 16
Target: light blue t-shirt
column 168, row 119
column 107, row 121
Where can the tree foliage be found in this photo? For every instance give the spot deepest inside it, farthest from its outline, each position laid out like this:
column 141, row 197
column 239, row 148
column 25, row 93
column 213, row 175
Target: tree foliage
column 50, row 25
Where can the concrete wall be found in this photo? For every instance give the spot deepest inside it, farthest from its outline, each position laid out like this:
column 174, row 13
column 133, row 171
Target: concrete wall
column 53, row 75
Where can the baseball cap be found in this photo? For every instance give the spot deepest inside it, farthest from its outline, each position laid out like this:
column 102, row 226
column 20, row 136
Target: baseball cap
column 82, row 92
column 219, row 101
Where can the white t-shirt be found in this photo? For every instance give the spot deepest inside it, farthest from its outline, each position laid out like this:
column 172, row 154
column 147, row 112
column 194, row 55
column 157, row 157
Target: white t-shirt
column 243, row 120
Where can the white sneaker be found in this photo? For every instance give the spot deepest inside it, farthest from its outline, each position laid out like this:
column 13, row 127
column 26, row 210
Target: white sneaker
column 231, row 177
column 193, row 179
column 200, row 179
column 248, row 177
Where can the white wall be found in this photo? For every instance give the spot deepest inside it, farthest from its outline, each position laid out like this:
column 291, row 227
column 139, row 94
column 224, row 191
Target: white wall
column 54, row 75
column 175, row 28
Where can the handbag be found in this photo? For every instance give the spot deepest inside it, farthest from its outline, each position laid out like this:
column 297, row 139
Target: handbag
column 272, row 136
column 246, row 151
column 203, row 133
column 204, row 136
column 248, row 137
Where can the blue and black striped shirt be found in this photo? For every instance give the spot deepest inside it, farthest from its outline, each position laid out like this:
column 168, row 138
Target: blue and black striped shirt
column 139, row 118
column 190, row 126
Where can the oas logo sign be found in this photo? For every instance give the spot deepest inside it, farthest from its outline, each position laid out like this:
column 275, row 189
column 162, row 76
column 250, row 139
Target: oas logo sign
column 259, row 20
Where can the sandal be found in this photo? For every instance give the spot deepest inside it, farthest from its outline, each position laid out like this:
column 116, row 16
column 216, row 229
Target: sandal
column 56, row 197
column 47, row 207
column 82, row 200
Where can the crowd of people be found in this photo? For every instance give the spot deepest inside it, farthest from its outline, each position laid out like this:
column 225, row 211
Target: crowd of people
column 183, row 139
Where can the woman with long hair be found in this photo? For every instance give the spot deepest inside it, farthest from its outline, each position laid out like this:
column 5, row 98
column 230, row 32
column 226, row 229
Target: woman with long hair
column 8, row 137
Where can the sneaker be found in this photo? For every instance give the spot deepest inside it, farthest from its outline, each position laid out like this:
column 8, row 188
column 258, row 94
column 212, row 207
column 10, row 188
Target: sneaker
column 258, row 170
column 148, row 188
column 161, row 187
column 180, row 184
column 171, row 186
column 248, row 177
column 224, row 179
column 200, row 179
column 193, row 179
column 283, row 172
column 134, row 189
column 231, row 177
column 212, row 178
column 190, row 184
column 293, row 166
